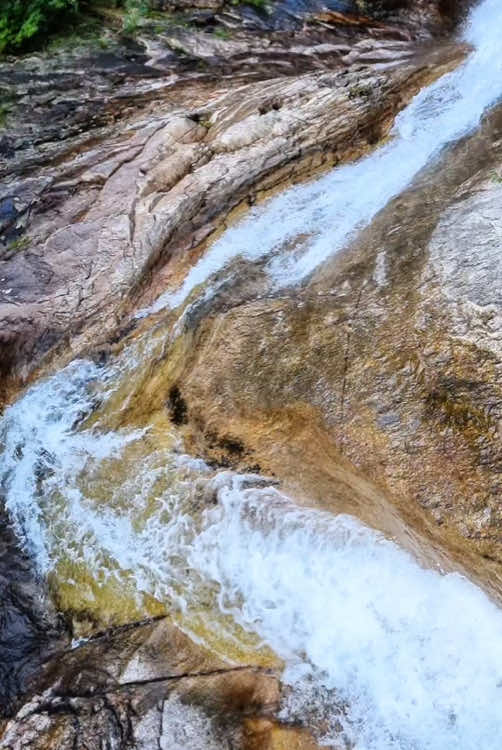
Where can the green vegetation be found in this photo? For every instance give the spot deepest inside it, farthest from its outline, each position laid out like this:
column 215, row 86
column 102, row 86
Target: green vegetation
column 222, row 33
column 30, row 24
column 7, row 104
column 80, row 31
column 16, row 246
column 261, row 4
column 257, row 3
column 25, row 24
column 135, row 11
column 4, row 113
column 24, row 20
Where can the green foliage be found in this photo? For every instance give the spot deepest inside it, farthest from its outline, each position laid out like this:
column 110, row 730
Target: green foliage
column 27, row 24
column 6, row 106
column 135, row 11
column 260, row 4
column 23, row 20
column 17, row 246
column 257, row 3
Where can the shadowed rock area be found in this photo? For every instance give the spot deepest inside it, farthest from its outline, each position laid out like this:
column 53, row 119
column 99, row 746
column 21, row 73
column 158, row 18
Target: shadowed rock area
column 30, row 630
column 143, row 686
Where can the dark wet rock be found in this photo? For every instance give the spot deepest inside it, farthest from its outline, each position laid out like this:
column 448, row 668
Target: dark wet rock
column 29, row 627
column 142, row 686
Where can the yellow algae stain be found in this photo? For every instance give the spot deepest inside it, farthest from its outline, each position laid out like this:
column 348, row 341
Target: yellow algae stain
column 223, row 637
column 93, row 605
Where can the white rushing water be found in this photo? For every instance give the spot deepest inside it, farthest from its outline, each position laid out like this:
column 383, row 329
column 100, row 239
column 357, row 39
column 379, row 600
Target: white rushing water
column 328, row 212
column 381, row 653
column 87, row 495
column 38, row 441
column 389, row 655
column 414, row 656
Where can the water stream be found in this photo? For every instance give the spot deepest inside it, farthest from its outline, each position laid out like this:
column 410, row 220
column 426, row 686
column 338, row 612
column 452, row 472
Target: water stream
column 379, row 652
column 320, row 218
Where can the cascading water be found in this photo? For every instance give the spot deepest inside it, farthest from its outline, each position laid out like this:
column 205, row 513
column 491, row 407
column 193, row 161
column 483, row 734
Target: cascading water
column 380, row 652
column 321, row 217
column 413, row 656
column 72, row 499
column 385, row 653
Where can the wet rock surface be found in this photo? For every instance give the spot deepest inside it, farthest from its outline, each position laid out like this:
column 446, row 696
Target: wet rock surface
column 148, row 685
column 116, row 168
column 30, row 630
column 388, row 358
column 122, row 158
column 54, row 101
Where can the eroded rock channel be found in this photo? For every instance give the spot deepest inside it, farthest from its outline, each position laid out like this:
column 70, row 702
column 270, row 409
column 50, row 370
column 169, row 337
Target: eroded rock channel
column 250, row 324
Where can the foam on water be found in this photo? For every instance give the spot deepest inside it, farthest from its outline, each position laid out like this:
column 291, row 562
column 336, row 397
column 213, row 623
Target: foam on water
column 108, row 513
column 388, row 655
column 68, row 489
column 38, row 440
column 413, row 657
column 321, row 217
column 392, row 656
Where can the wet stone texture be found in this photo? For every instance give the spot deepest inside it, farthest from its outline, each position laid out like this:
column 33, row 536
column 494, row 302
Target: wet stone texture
column 145, row 686
column 390, row 355
column 29, row 628
column 117, row 165
column 113, row 161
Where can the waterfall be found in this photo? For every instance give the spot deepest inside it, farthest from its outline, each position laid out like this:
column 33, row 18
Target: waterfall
column 321, row 217
column 414, row 657
column 380, row 653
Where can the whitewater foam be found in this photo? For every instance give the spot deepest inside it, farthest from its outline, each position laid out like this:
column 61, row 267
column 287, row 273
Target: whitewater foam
column 390, row 655
column 402, row 657
column 393, row 656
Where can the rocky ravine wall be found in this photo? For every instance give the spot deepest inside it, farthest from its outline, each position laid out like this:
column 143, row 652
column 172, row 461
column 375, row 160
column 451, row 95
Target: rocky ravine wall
column 94, row 197
column 387, row 363
column 89, row 220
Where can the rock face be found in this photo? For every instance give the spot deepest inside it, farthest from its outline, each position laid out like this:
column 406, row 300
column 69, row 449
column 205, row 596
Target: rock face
column 132, row 170
column 99, row 196
column 148, row 685
column 388, row 362
column 263, row 734
column 30, row 629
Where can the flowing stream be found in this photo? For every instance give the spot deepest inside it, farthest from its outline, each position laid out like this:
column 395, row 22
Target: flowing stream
column 380, row 652
column 322, row 216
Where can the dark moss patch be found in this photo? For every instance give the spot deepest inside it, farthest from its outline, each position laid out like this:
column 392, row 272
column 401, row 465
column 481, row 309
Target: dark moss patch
column 178, row 411
column 232, row 445
column 451, row 400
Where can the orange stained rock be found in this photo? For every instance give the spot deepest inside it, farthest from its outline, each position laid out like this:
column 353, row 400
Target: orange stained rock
column 263, row 734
